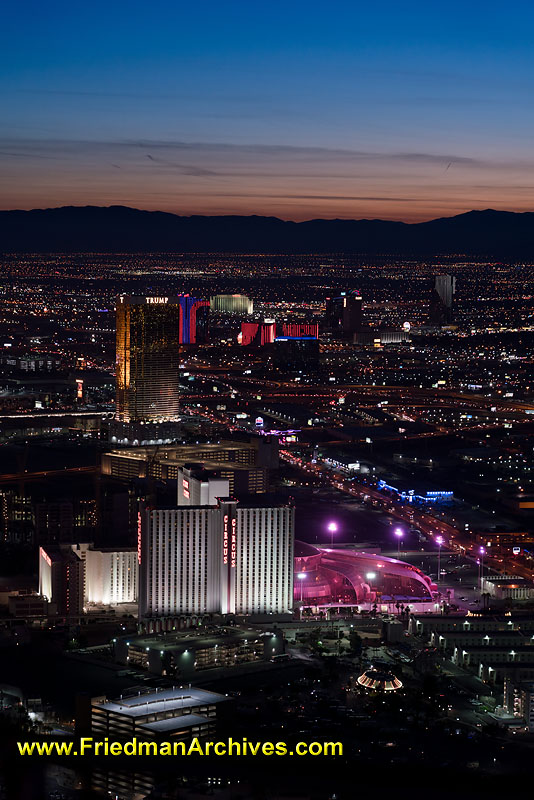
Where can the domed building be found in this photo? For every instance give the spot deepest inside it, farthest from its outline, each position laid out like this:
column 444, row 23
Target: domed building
column 349, row 577
column 376, row 679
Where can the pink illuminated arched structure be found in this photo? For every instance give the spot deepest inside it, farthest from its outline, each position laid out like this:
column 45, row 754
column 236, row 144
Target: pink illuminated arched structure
column 347, row 577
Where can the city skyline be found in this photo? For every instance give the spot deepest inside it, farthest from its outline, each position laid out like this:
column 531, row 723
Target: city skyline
column 329, row 519
column 399, row 113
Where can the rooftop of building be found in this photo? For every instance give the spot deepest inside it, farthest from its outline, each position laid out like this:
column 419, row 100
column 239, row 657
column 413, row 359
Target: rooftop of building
column 498, row 648
column 250, row 501
column 60, row 554
column 213, row 468
column 175, row 723
column 177, row 452
column 202, row 471
column 507, row 580
column 509, row 666
column 174, row 699
column 176, row 640
column 172, row 452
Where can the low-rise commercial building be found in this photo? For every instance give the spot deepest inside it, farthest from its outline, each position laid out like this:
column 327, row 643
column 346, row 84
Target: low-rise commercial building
column 493, row 647
column 178, row 713
column 164, row 462
column 25, row 606
column 425, row 624
column 474, row 655
column 180, row 655
column 417, row 493
column 519, row 700
column 497, row 671
column 503, row 587
column 449, row 640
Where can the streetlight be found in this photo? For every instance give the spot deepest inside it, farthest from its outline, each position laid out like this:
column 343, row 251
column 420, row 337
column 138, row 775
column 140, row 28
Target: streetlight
column 332, row 527
column 482, row 551
column 439, row 541
column 399, row 533
column 302, row 577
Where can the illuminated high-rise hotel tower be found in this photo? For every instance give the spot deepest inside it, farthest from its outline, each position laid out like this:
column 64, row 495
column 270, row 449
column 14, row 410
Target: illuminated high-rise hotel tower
column 150, row 331
column 147, row 359
column 231, row 558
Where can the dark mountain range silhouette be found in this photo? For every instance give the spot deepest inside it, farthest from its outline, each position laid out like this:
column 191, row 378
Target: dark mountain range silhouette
column 73, row 229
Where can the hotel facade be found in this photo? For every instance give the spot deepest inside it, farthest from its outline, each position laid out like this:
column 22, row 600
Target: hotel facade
column 150, row 331
column 226, row 559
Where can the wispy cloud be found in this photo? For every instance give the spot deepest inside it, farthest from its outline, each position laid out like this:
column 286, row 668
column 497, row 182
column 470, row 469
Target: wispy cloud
column 249, row 177
column 68, row 147
column 186, row 169
column 342, row 197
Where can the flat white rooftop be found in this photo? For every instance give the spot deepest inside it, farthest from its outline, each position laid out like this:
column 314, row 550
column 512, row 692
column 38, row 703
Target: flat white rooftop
column 176, row 700
column 176, row 723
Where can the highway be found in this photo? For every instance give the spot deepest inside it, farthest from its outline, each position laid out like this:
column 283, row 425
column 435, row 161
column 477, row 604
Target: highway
column 17, row 477
column 430, row 526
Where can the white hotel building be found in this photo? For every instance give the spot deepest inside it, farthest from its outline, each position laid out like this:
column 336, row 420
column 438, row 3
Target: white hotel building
column 228, row 559
column 74, row 576
column 111, row 576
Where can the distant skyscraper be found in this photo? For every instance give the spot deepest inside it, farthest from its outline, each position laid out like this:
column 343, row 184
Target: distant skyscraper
column 442, row 301
column 232, row 304
column 148, row 358
column 257, row 333
column 194, row 316
column 294, row 329
column 228, row 559
column 150, row 331
column 344, row 313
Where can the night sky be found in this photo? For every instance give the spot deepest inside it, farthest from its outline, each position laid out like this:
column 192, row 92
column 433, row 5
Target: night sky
column 335, row 109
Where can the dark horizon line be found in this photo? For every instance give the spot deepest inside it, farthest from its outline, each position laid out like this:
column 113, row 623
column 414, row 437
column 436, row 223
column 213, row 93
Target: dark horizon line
column 261, row 216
